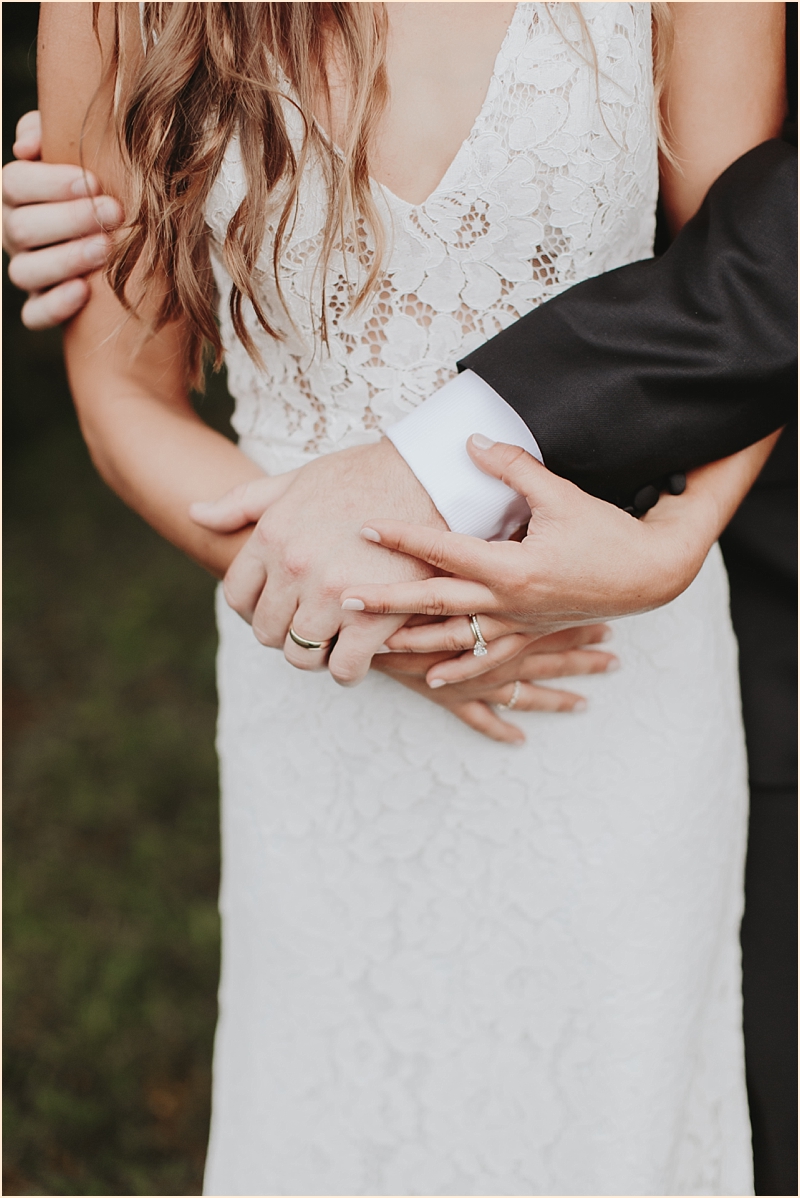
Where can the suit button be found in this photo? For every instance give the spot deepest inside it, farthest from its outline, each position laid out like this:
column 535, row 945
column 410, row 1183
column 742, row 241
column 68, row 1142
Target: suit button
column 645, row 499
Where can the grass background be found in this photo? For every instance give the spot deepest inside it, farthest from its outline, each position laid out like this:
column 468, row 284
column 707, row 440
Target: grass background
column 111, row 805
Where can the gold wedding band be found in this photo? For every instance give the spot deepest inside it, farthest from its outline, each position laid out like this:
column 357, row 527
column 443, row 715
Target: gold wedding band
column 479, row 649
column 315, row 646
column 512, row 702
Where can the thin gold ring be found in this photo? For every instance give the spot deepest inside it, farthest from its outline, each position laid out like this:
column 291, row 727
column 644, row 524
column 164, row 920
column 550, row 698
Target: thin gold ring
column 314, row 646
column 512, row 702
column 479, row 648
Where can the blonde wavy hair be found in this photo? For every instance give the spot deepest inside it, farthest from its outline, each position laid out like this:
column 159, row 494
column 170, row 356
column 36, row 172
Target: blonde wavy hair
column 212, row 70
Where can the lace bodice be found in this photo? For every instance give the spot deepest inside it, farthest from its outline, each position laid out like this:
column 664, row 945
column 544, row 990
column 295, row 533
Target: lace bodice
column 556, row 182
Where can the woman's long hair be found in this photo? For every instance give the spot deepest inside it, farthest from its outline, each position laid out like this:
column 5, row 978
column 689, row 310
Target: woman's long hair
column 210, row 71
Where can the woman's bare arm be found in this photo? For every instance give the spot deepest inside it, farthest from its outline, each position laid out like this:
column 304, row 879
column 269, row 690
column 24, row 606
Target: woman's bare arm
column 725, row 92
column 130, row 390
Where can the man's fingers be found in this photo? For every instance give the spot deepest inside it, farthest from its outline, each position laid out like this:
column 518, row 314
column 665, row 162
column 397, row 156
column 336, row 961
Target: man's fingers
column 244, row 582
column 572, row 638
column 27, row 182
column 28, row 136
column 468, row 557
column 358, row 641
column 312, row 622
column 567, row 665
column 51, row 308
column 243, row 505
column 35, row 225
column 482, row 718
column 36, row 270
column 431, row 597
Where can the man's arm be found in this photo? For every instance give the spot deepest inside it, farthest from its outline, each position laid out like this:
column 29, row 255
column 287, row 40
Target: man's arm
column 652, row 369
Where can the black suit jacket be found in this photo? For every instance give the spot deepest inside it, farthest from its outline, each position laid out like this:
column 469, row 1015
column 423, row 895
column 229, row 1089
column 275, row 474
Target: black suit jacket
column 672, row 362
column 680, row 360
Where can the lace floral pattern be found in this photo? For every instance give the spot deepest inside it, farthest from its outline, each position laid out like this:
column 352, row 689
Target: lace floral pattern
column 556, row 182
column 449, row 966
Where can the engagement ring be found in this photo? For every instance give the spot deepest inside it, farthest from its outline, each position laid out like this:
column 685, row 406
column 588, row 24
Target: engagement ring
column 480, row 649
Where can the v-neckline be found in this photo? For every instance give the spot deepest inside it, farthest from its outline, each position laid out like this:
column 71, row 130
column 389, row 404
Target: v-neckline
column 407, row 205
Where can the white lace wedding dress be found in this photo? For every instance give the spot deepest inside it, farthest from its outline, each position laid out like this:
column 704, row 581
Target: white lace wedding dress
column 451, row 966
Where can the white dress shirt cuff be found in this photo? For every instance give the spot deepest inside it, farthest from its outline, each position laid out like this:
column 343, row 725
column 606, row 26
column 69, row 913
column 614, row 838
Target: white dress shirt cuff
column 432, row 439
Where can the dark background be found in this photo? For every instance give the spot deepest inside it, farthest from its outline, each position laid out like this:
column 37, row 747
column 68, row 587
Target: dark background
column 111, row 813
column 111, row 808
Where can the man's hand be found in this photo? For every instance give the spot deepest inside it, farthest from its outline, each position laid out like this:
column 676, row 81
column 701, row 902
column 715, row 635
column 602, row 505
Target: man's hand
column 58, row 208
column 306, row 547
column 581, row 561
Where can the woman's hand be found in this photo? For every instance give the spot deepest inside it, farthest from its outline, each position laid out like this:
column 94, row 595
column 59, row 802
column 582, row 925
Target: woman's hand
column 561, row 655
column 582, row 560
column 55, row 229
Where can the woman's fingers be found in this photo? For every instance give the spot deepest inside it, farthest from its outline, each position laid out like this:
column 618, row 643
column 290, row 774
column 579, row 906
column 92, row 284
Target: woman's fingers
column 455, row 634
column 242, row 505
column 467, row 666
column 35, row 270
column 47, row 309
column 452, row 635
column 430, row 597
column 468, row 557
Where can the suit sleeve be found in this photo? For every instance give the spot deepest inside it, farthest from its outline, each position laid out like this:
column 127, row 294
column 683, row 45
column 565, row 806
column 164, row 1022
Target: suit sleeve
column 666, row 364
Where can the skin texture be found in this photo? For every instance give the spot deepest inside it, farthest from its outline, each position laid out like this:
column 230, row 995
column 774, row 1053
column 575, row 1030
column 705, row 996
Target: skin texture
column 725, row 93
column 606, row 563
column 132, row 398
column 56, row 228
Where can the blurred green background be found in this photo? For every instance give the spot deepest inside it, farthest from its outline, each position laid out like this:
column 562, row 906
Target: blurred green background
column 111, row 805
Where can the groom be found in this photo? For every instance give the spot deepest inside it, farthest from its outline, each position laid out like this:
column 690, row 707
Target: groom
column 620, row 385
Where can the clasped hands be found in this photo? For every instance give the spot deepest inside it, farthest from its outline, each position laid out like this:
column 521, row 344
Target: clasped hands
column 335, row 521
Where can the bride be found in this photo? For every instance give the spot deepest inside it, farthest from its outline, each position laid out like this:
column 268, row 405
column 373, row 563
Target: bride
column 448, row 967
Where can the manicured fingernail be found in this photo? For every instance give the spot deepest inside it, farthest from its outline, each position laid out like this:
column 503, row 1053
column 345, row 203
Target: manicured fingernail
column 353, row 605
column 435, row 683
column 383, row 649
column 369, row 534
column 581, row 705
column 613, row 665
column 84, row 186
column 481, row 442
